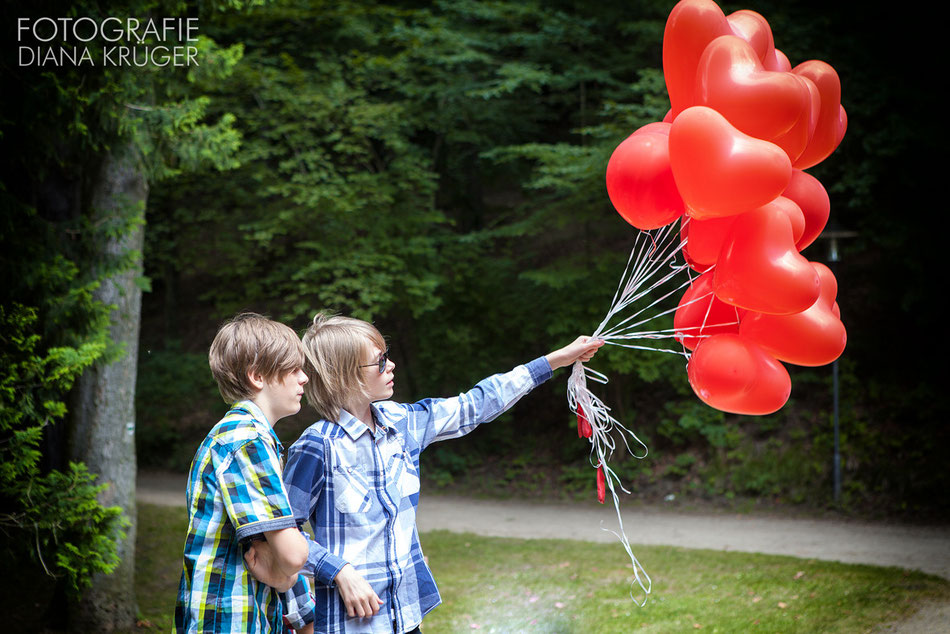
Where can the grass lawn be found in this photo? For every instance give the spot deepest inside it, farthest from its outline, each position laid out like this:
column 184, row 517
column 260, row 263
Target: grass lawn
column 515, row 585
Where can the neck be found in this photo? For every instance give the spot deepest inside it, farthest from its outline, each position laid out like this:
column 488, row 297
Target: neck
column 266, row 410
column 364, row 413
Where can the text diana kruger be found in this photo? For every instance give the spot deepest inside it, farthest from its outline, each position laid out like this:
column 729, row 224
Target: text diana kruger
column 151, row 42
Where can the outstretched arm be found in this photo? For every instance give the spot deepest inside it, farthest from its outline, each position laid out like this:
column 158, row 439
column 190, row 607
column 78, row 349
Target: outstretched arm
column 581, row 349
column 431, row 420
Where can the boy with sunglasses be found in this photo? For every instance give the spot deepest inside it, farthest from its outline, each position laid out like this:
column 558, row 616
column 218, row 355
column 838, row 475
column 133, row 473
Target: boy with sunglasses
column 354, row 475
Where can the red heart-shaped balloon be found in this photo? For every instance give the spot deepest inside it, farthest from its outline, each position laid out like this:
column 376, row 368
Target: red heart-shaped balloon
column 842, row 125
column 704, row 239
column 760, row 269
column 754, row 29
column 640, row 180
column 721, row 171
column 700, row 314
column 778, row 62
column 828, row 128
column 736, row 375
column 794, row 213
column 656, row 127
column 797, row 138
column 809, row 194
column 731, row 79
column 691, row 26
column 812, row 337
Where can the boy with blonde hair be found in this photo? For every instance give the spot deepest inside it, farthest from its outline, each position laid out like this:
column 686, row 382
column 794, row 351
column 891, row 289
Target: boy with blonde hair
column 235, row 493
column 354, row 474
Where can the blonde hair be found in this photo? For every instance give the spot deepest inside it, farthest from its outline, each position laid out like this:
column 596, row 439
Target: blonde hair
column 252, row 343
column 335, row 348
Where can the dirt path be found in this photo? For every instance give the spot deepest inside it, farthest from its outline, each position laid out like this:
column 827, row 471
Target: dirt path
column 881, row 544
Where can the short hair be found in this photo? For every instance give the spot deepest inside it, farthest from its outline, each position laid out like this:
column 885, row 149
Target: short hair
column 252, row 343
column 335, row 347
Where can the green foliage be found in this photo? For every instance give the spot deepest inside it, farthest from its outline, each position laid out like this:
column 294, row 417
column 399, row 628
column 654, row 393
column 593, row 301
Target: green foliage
column 56, row 516
column 170, row 426
column 688, row 421
column 56, row 127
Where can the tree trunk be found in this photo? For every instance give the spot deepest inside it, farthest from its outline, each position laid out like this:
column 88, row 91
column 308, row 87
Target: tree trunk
column 103, row 430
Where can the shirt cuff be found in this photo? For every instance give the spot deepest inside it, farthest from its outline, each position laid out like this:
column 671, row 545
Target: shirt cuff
column 540, row 370
column 299, row 605
column 264, row 526
column 324, row 564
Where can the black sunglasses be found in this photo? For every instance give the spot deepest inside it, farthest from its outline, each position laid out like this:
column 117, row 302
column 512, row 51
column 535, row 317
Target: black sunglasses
column 381, row 364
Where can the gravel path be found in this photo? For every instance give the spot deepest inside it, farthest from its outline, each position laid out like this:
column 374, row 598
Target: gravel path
column 884, row 544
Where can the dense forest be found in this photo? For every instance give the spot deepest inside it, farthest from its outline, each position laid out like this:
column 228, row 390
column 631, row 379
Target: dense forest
column 438, row 168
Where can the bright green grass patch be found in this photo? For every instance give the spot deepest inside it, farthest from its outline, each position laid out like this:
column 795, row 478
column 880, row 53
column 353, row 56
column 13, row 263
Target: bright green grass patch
column 516, row 585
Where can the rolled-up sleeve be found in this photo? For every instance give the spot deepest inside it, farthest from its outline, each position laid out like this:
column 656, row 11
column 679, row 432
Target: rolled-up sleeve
column 252, row 490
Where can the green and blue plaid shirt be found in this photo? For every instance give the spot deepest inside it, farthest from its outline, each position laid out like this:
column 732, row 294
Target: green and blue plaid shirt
column 234, row 492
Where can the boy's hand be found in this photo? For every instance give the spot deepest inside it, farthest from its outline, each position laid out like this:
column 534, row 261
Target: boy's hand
column 357, row 594
column 261, row 564
column 582, row 349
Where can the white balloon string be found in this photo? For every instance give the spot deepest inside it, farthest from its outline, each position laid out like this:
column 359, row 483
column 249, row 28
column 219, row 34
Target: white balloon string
column 651, row 272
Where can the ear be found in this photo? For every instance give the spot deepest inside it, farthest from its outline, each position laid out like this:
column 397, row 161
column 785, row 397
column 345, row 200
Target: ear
column 256, row 379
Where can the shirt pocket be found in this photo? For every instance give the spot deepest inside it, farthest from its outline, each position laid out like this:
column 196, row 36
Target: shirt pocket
column 351, row 489
column 408, row 477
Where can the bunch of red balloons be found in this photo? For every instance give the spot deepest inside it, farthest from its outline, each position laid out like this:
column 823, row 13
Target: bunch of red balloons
column 728, row 161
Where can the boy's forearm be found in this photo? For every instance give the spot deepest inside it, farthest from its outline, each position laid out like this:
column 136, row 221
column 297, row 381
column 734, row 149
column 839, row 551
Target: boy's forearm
column 262, row 565
column 290, row 550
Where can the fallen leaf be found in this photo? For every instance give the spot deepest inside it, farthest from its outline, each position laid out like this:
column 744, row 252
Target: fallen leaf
column 697, row 626
column 558, row 605
column 533, row 599
column 756, row 599
column 782, row 605
column 799, row 574
column 564, row 564
column 475, row 626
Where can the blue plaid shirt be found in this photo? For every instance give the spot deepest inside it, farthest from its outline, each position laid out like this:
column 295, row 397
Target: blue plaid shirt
column 360, row 490
column 234, row 492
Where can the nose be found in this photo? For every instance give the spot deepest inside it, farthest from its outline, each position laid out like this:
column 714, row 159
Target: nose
column 302, row 377
column 390, row 365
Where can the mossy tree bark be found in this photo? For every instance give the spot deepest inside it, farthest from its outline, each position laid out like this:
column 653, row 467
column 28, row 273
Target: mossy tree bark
column 103, row 430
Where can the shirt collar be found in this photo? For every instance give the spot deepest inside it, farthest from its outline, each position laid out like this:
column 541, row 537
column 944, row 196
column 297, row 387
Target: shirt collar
column 355, row 428
column 258, row 418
